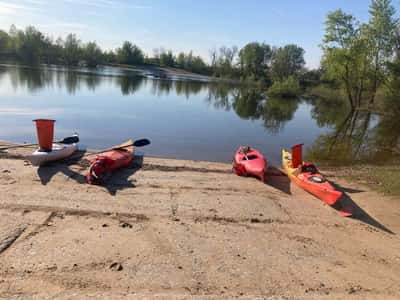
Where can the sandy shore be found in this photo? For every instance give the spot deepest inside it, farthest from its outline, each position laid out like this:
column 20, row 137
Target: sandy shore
column 172, row 229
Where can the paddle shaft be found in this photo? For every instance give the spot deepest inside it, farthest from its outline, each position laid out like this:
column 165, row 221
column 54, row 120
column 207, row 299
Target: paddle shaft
column 138, row 143
column 27, row 145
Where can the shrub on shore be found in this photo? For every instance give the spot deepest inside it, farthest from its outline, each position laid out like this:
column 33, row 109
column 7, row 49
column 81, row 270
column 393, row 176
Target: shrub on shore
column 287, row 88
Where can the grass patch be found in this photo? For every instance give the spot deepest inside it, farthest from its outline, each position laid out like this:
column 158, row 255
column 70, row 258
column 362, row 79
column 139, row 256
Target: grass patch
column 384, row 179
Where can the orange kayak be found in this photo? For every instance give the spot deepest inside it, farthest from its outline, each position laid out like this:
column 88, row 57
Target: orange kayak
column 107, row 162
column 307, row 176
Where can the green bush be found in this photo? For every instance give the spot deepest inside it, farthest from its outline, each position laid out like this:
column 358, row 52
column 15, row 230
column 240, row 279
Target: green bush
column 326, row 92
column 287, row 88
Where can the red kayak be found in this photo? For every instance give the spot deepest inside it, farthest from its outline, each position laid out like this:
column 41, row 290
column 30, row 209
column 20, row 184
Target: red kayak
column 249, row 162
column 105, row 163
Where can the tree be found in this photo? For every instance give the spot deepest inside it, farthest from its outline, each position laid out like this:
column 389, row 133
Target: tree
column 357, row 55
column 254, row 59
column 382, row 28
column 213, row 57
column 110, row 57
column 180, row 60
column 92, row 54
column 287, row 61
column 5, row 43
column 52, row 52
column 198, row 65
column 71, row 50
column 167, row 59
column 191, row 63
column 130, row 54
column 346, row 57
column 29, row 45
column 225, row 65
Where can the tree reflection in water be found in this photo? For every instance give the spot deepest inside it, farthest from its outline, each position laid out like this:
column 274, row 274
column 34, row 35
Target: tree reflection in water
column 277, row 112
column 248, row 104
column 354, row 135
column 129, row 84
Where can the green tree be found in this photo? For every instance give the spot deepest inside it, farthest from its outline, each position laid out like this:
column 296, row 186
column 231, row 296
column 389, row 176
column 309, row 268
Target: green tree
column 5, row 43
column 346, row 56
column 52, row 51
column 110, row 57
column 180, row 60
column 130, row 54
column 254, row 59
column 225, row 63
column 167, row 59
column 71, row 50
column 199, row 66
column 382, row 27
column 287, row 61
column 357, row 55
column 29, row 45
column 92, row 54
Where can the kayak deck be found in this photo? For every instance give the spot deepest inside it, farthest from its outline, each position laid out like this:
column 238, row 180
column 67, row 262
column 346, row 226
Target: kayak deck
column 60, row 151
column 312, row 182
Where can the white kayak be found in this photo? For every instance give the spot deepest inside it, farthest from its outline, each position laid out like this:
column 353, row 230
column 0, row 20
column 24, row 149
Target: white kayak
column 59, row 151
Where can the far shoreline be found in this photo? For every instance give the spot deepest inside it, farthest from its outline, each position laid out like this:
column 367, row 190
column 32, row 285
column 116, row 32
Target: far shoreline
column 149, row 71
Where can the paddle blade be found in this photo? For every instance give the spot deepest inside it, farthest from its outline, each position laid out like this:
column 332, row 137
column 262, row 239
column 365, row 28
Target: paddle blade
column 297, row 155
column 141, row 143
column 70, row 140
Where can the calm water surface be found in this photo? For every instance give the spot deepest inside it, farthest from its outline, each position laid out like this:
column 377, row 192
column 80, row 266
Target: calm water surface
column 183, row 119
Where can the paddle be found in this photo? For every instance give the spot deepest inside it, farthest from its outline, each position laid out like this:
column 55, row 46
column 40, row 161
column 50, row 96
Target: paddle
column 137, row 143
column 68, row 140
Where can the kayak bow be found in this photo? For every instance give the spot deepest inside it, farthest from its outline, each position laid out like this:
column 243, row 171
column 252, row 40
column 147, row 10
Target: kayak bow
column 249, row 161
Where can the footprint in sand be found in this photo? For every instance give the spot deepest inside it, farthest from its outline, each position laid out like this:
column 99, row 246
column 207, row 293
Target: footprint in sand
column 6, row 178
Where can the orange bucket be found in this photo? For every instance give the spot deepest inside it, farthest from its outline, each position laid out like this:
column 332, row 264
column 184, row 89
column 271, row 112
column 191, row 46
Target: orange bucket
column 45, row 133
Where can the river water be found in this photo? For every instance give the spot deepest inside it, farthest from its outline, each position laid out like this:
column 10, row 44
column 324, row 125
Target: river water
column 183, row 119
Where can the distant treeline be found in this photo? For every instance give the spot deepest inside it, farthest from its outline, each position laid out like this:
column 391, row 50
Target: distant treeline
column 254, row 62
column 30, row 46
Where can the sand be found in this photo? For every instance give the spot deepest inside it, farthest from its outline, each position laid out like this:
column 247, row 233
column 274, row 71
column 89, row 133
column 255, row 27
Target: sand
column 173, row 229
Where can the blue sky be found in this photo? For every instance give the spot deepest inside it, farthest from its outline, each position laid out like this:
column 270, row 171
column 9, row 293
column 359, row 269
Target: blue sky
column 183, row 25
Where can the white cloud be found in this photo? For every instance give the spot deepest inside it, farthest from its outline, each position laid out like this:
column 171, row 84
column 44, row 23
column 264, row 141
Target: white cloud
column 10, row 8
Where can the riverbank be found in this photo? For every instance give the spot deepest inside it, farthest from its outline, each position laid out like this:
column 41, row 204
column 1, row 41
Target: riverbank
column 118, row 70
column 121, row 70
column 163, row 72
column 174, row 229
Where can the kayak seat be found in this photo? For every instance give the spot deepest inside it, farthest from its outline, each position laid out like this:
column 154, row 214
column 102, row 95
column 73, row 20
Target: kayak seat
column 316, row 179
column 309, row 168
column 251, row 157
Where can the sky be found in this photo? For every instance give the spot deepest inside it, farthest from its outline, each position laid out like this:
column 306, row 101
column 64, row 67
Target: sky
column 184, row 25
